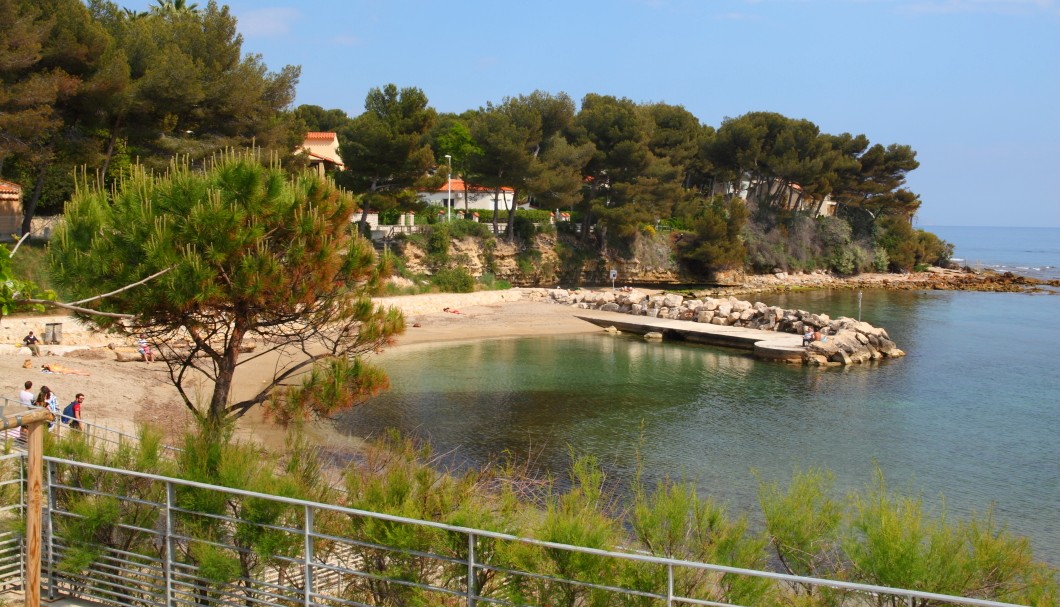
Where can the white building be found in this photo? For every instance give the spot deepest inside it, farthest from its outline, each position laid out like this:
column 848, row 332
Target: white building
column 478, row 197
column 323, row 152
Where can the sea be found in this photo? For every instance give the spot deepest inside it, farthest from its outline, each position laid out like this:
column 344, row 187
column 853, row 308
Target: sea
column 969, row 420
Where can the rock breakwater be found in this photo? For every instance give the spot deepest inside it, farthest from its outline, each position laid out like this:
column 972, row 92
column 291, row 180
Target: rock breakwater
column 844, row 340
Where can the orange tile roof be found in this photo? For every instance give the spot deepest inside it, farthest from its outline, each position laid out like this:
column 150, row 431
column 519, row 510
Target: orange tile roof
column 9, row 187
column 320, row 135
column 458, row 186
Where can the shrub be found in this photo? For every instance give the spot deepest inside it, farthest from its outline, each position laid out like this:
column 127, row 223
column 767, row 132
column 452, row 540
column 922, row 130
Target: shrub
column 489, row 282
column 908, row 248
column 878, row 536
column 453, row 280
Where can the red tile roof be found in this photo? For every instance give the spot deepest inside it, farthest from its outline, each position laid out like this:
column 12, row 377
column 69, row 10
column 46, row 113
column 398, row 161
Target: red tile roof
column 8, row 187
column 321, row 136
column 458, row 186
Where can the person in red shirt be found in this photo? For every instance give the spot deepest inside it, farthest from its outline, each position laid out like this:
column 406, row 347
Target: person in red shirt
column 72, row 412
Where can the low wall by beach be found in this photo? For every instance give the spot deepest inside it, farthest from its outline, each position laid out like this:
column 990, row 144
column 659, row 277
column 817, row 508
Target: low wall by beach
column 847, row 340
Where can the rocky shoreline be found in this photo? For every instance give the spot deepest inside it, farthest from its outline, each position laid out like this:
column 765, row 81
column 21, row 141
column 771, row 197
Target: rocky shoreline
column 937, row 279
column 845, row 340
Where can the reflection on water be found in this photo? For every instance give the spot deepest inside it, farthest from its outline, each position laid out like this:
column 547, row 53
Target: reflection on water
column 971, row 411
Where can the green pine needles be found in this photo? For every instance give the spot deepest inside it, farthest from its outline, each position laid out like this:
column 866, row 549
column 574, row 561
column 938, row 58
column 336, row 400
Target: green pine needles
column 207, row 264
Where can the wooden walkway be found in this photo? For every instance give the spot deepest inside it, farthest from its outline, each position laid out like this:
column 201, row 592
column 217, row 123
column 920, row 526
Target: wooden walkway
column 764, row 345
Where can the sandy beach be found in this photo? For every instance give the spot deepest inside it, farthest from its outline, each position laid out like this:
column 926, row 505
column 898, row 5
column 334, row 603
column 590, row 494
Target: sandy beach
column 123, row 395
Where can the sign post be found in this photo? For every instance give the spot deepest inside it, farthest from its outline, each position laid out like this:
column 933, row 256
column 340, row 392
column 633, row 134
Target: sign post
column 614, row 275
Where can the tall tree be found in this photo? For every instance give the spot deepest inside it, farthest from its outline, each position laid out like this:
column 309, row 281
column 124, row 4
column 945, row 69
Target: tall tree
column 386, row 148
column 316, row 118
column 513, row 136
column 619, row 132
column 238, row 251
column 871, row 186
column 191, row 89
column 49, row 87
column 452, row 137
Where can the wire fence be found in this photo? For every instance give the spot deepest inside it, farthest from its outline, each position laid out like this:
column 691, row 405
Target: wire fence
column 128, row 538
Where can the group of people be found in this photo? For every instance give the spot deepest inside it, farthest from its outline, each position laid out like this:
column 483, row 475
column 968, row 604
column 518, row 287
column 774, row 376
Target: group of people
column 45, row 398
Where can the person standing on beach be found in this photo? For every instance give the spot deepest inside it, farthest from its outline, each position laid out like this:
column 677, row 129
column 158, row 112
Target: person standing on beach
column 72, row 412
column 26, row 395
column 30, row 341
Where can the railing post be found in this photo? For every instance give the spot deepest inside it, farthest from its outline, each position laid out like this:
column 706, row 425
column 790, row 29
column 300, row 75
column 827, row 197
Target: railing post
column 307, row 553
column 471, row 590
column 34, row 505
column 49, row 526
column 22, row 504
column 167, row 563
column 669, row 584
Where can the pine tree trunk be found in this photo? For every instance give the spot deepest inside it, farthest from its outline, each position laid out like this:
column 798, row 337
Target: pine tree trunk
column 30, row 208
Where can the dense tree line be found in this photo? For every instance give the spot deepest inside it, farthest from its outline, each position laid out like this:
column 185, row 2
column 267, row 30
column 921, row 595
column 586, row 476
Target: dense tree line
column 761, row 190
column 96, row 86
column 93, row 85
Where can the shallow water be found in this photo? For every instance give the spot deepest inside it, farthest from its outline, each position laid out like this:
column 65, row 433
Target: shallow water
column 972, row 412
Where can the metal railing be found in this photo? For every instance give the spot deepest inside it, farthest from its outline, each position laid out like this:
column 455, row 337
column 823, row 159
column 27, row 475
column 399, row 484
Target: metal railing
column 102, row 436
column 129, row 538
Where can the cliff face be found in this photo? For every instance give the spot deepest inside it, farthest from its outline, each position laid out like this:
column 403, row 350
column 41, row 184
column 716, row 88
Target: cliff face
column 552, row 260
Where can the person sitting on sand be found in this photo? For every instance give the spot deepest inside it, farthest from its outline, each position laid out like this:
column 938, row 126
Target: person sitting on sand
column 452, row 311
column 144, row 348
column 57, row 368
column 30, row 341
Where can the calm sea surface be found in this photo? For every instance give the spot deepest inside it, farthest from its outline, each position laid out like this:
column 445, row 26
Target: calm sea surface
column 973, row 411
column 1033, row 252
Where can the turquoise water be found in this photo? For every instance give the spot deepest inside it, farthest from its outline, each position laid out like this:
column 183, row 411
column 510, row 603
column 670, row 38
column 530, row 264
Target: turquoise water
column 972, row 412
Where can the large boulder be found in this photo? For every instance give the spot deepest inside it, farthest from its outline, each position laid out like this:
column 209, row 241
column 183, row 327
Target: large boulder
column 672, row 300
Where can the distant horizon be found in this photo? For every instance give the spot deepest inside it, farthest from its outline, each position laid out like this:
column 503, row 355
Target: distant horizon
column 941, row 225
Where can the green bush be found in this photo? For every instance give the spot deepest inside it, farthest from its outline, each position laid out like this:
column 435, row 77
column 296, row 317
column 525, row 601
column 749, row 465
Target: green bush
column 908, row 248
column 490, row 282
column 454, row 280
column 878, row 536
column 874, row 536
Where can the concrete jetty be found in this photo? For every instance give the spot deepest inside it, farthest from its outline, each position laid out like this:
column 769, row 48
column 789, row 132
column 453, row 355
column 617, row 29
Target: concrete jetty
column 764, row 345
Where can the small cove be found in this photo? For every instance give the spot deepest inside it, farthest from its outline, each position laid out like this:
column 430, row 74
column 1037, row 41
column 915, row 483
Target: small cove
column 966, row 414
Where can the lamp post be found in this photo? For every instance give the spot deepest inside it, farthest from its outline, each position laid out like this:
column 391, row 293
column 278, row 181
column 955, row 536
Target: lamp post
column 449, row 190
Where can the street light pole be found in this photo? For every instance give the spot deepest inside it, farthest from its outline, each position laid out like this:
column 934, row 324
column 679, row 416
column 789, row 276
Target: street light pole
column 449, row 190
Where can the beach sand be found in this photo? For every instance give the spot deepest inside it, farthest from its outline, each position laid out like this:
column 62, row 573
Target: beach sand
column 123, row 395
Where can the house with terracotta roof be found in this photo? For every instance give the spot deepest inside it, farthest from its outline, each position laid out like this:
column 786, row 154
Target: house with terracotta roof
column 478, row 197
column 10, row 208
column 323, row 152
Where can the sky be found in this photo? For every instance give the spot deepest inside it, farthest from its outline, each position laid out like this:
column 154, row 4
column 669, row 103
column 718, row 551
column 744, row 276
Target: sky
column 973, row 86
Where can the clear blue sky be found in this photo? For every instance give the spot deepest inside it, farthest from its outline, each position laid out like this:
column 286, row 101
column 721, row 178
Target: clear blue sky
column 972, row 85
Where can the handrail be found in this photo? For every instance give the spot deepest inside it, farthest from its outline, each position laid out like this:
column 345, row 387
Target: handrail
column 306, row 528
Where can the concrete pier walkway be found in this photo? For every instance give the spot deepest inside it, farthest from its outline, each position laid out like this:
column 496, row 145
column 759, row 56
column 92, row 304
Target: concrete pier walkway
column 765, row 345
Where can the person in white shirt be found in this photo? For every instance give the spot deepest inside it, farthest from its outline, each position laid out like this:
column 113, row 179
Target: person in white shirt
column 26, row 396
